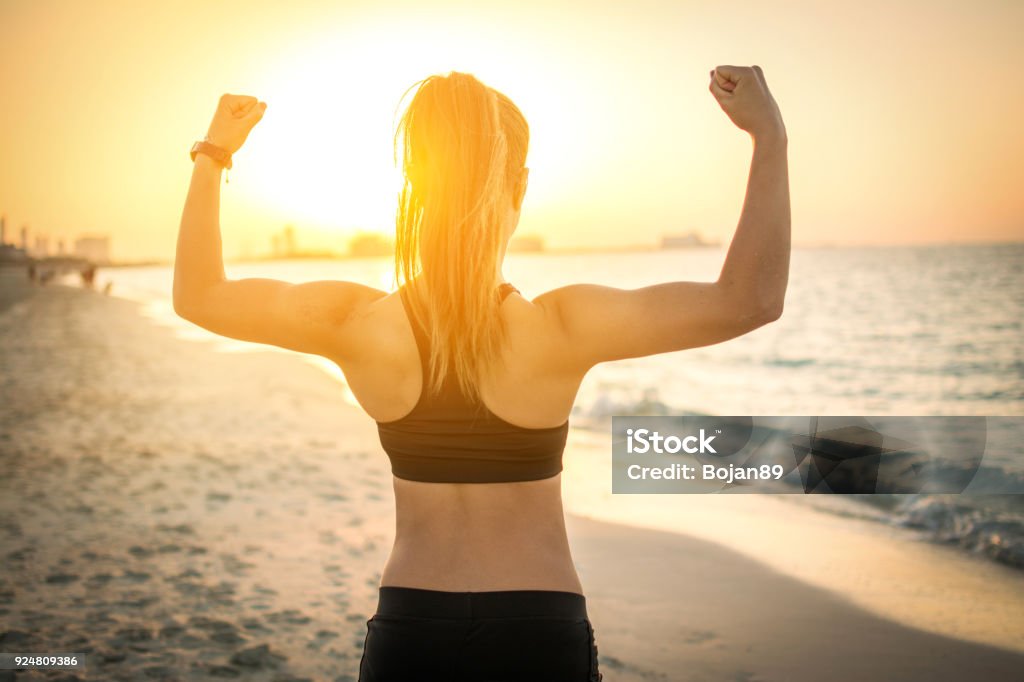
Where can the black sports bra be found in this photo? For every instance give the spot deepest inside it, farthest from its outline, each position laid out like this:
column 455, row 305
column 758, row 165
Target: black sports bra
column 446, row 439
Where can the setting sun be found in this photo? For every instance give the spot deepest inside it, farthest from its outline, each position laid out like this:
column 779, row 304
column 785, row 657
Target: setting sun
column 324, row 152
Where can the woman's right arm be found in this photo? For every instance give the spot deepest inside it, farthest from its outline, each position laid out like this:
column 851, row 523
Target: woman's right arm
column 598, row 323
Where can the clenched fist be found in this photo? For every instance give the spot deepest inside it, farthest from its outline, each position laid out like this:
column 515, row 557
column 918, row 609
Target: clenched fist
column 235, row 117
column 743, row 94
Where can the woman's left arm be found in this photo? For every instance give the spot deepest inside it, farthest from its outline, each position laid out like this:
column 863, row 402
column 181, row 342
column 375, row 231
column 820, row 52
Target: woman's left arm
column 308, row 318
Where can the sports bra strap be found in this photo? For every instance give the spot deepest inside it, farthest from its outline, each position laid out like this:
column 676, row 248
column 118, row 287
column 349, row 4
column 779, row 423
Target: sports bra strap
column 504, row 289
column 422, row 343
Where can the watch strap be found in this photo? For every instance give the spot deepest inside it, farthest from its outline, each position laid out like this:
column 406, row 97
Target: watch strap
column 221, row 156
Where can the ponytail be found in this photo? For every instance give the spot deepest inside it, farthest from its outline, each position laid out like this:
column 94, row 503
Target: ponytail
column 463, row 148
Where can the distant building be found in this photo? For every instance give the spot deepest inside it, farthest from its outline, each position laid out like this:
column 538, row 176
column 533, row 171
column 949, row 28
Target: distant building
column 289, row 240
column 42, row 247
column 10, row 252
column 282, row 244
column 370, row 245
column 94, row 249
column 684, row 241
column 526, row 243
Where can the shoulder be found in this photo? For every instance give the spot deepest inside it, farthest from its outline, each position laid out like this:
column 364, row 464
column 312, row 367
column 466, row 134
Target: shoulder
column 563, row 306
column 554, row 321
column 371, row 324
column 329, row 301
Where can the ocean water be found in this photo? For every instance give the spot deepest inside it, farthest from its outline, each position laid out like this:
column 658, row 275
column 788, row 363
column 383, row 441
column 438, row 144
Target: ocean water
column 897, row 331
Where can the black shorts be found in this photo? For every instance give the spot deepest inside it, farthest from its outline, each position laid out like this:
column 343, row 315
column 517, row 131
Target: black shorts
column 529, row 635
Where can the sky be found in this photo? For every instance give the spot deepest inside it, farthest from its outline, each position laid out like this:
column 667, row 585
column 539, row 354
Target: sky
column 903, row 117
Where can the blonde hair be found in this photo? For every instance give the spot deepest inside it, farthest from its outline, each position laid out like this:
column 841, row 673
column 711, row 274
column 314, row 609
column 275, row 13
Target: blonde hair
column 463, row 147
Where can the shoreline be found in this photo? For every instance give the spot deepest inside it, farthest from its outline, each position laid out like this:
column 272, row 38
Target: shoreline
column 563, row 250
column 185, row 527
column 893, row 573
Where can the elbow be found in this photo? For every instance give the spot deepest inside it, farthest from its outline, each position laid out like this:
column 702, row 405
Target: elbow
column 762, row 313
column 183, row 309
column 772, row 310
column 754, row 309
column 758, row 300
column 768, row 303
column 185, row 306
column 179, row 300
column 190, row 298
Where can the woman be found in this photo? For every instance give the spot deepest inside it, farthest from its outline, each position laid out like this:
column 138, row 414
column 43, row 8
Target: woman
column 470, row 383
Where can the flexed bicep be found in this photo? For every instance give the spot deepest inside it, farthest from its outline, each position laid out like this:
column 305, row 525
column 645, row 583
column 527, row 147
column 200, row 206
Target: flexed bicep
column 308, row 317
column 598, row 324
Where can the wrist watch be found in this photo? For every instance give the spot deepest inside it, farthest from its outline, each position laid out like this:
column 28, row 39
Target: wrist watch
column 221, row 156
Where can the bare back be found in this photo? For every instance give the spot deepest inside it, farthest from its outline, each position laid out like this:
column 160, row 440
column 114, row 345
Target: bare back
column 472, row 536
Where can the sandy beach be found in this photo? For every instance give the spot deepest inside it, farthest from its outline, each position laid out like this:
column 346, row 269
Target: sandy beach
column 180, row 513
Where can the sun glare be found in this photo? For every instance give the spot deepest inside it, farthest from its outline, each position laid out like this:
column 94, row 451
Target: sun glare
column 325, row 146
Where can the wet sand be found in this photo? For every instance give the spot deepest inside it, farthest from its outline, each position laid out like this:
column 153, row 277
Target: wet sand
column 181, row 513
